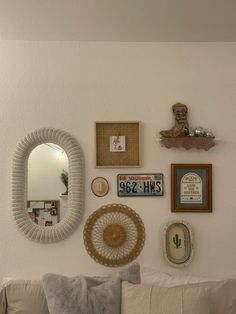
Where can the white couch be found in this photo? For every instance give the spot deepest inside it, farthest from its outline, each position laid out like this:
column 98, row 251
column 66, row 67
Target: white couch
column 158, row 293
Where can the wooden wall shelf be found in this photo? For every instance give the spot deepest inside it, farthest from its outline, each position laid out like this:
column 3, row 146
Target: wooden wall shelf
column 188, row 142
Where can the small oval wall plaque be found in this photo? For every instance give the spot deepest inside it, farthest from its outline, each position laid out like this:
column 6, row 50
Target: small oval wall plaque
column 178, row 243
column 100, row 186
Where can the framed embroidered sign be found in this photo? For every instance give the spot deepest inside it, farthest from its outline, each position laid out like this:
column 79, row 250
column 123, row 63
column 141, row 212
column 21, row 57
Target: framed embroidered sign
column 191, row 188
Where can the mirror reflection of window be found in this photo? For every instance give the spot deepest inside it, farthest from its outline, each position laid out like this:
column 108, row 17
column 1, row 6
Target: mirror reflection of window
column 47, row 184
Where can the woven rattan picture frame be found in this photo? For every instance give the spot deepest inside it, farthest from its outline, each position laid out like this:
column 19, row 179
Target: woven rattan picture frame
column 127, row 153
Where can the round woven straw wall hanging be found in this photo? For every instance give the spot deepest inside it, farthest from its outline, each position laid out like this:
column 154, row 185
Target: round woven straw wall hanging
column 114, row 235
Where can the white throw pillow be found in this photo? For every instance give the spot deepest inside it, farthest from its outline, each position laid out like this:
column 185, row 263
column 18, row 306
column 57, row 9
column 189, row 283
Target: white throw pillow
column 153, row 299
column 151, row 274
column 177, row 280
column 154, row 275
column 4, row 281
column 222, row 291
column 221, row 295
column 25, row 297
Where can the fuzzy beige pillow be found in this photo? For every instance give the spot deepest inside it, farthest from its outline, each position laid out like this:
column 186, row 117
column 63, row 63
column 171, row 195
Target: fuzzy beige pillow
column 87, row 295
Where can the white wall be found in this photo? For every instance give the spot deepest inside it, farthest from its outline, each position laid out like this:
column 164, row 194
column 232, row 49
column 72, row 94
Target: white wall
column 69, row 86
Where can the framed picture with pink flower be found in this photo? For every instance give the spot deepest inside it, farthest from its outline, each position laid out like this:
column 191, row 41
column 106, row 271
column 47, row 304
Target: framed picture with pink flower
column 118, row 144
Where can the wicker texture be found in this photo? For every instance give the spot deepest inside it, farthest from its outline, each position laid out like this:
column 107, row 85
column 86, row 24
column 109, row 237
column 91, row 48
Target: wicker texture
column 76, row 187
column 114, row 235
column 131, row 156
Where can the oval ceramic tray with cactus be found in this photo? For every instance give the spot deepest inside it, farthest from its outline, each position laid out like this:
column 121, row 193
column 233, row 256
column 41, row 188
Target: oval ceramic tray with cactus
column 178, row 243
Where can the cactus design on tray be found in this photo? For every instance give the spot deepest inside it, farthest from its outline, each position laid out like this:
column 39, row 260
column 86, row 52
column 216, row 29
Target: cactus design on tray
column 177, row 241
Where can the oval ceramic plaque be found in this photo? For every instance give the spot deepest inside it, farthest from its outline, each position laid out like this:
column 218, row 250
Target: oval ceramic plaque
column 178, row 243
column 100, row 186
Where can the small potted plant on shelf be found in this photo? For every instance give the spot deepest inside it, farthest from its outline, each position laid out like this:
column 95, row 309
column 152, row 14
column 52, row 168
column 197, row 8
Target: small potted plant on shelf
column 64, row 179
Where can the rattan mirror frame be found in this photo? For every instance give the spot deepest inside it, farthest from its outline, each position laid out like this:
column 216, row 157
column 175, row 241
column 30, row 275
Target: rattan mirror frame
column 75, row 187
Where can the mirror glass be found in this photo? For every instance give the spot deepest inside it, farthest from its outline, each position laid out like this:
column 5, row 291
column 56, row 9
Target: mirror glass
column 47, row 193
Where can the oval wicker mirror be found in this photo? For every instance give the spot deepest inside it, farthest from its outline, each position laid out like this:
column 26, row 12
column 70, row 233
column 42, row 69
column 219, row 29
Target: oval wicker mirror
column 61, row 230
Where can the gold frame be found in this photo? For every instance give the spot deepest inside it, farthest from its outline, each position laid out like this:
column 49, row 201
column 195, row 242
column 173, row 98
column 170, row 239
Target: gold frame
column 132, row 132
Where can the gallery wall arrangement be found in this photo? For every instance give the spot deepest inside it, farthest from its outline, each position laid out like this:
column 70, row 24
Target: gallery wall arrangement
column 71, row 86
column 114, row 234
column 118, row 145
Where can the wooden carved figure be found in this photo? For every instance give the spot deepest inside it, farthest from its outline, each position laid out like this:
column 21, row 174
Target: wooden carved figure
column 181, row 127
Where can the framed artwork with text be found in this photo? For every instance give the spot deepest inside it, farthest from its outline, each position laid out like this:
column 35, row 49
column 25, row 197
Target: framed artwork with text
column 191, row 187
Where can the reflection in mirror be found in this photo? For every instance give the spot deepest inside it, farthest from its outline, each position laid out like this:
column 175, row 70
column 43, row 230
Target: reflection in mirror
column 47, row 200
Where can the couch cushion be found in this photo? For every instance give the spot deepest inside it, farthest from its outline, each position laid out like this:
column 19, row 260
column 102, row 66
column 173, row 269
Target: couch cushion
column 25, row 297
column 87, row 295
column 154, row 275
column 152, row 299
column 3, row 300
column 221, row 296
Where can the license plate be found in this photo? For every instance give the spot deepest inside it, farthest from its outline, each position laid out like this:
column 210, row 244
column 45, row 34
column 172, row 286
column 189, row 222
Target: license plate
column 140, row 184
